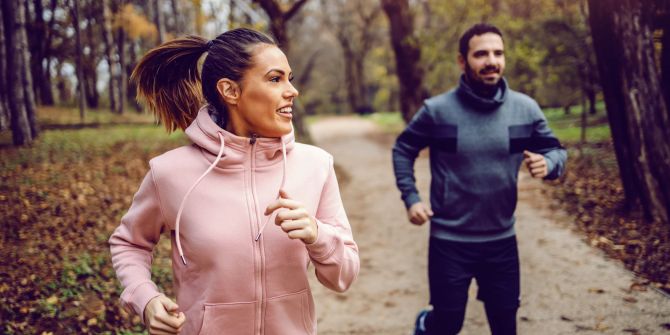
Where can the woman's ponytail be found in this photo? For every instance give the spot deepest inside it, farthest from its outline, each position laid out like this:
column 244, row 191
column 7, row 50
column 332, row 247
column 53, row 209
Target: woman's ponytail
column 168, row 81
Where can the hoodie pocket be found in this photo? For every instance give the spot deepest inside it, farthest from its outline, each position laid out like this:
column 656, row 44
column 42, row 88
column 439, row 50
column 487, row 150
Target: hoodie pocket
column 233, row 318
column 291, row 313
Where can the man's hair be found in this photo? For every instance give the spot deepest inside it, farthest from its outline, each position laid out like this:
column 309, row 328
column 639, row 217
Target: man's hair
column 476, row 30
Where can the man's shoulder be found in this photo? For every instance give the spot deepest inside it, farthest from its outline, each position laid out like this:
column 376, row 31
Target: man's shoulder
column 441, row 100
column 521, row 98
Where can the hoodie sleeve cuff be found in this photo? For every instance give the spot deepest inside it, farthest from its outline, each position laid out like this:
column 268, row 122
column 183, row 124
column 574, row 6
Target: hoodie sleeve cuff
column 137, row 298
column 325, row 244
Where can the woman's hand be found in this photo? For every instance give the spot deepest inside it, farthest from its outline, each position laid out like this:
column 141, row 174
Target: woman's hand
column 162, row 316
column 294, row 220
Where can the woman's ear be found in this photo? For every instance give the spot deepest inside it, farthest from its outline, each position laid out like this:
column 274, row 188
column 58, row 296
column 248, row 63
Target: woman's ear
column 228, row 90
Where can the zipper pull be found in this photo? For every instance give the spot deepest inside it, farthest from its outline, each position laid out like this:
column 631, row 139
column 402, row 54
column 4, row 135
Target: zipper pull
column 253, row 139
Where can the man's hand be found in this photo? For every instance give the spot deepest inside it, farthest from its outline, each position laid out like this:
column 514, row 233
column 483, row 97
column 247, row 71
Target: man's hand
column 162, row 316
column 294, row 220
column 419, row 213
column 536, row 164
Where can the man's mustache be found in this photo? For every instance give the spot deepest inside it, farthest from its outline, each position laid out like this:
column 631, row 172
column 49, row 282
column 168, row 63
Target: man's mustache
column 490, row 69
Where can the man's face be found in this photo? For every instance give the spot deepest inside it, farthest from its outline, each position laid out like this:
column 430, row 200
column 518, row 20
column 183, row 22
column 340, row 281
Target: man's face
column 485, row 61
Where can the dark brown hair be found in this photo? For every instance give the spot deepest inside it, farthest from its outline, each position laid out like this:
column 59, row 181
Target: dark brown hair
column 168, row 81
column 476, row 30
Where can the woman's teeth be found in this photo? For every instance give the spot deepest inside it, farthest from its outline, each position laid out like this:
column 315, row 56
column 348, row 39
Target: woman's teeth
column 285, row 110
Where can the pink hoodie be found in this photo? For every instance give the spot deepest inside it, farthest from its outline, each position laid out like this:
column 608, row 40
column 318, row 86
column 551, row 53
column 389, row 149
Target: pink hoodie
column 233, row 281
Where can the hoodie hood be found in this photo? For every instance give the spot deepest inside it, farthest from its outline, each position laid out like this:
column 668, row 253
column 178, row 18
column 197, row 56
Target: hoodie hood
column 467, row 94
column 204, row 133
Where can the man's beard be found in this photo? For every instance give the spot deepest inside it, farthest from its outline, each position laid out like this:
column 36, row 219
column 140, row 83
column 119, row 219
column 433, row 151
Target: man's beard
column 480, row 86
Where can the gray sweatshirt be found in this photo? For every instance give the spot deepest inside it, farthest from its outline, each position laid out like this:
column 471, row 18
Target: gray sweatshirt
column 476, row 149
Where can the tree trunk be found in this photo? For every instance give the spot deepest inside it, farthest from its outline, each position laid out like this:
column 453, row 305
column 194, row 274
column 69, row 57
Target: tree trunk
column 122, row 77
column 177, row 17
column 159, row 21
column 46, row 90
column 90, row 63
column 14, row 20
column 4, row 106
column 131, row 87
column 108, row 40
column 27, row 79
column 407, row 56
column 78, row 58
column 36, row 40
column 635, row 106
column 665, row 58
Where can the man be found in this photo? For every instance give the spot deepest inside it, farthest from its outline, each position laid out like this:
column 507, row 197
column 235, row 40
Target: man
column 479, row 134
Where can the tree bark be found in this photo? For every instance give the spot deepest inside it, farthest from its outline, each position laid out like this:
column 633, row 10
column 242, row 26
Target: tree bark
column 108, row 40
column 665, row 57
column 78, row 58
column 122, row 77
column 407, row 56
column 90, row 62
column 636, row 108
column 27, row 78
column 176, row 14
column 4, row 106
column 159, row 21
column 353, row 30
column 46, row 88
column 36, row 40
column 14, row 21
column 279, row 18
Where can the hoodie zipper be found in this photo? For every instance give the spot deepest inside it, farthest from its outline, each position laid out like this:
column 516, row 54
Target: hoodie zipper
column 258, row 247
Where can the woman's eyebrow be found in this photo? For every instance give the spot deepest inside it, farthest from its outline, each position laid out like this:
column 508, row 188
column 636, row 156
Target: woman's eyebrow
column 276, row 70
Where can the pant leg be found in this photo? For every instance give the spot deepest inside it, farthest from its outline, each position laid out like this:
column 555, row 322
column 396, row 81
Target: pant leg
column 502, row 321
column 449, row 277
column 498, row 278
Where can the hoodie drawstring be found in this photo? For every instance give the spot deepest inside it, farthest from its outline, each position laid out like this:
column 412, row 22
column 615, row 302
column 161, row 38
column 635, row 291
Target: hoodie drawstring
column 188, row 193
column 281, row 187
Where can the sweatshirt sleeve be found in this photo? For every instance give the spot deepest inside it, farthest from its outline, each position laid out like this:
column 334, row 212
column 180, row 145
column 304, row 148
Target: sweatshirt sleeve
column 131, row 246
column 545, row 142
column 407, row 147
column 334, row 253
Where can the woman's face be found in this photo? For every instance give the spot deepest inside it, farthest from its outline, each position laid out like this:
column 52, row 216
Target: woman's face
column 265, row 104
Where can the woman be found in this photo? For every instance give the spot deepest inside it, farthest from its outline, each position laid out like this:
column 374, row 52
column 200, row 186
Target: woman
column 233, row 272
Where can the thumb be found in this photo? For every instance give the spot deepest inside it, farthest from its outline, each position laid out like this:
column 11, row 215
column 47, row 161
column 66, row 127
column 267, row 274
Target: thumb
column 429, row 211
column 284, row 195
column 169, row 305
column 526, row 154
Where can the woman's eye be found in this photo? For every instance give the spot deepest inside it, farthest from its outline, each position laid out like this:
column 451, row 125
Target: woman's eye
column 291, row 78
column 274, row 79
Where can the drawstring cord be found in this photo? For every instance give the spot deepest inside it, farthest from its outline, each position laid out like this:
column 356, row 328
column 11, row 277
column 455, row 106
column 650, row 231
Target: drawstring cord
column 183, row 201
column 283, row 180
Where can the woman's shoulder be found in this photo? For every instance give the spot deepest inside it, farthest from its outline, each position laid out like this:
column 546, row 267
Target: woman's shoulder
column 178, row 156
column 311, row 152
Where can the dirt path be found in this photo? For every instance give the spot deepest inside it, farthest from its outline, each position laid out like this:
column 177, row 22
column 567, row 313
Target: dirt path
column 567, row 286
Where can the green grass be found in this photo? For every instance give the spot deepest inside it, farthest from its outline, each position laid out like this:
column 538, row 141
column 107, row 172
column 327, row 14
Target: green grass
column 74, row 145
column 48, row 116
column 391, row 122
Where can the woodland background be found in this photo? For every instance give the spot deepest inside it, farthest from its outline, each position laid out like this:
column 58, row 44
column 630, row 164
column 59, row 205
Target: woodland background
column 74, row 143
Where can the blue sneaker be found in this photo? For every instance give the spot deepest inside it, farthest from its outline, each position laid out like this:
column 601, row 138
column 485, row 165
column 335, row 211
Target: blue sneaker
column 420, row 324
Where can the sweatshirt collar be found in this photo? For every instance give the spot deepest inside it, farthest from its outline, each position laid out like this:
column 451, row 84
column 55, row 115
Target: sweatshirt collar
column 203, row 132
column 467, row 94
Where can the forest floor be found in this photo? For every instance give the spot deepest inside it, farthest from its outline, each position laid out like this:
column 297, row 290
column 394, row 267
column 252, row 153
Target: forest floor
column 568, row 286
